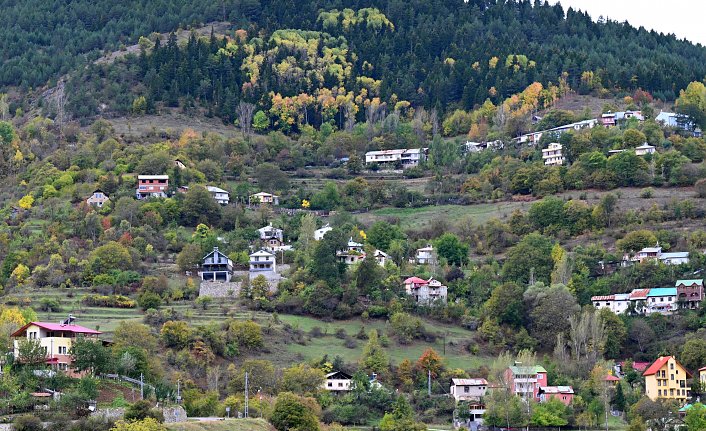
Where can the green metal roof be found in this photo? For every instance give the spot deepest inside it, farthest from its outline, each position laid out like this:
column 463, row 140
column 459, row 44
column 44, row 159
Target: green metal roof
column 699, row 282
column 527, row 370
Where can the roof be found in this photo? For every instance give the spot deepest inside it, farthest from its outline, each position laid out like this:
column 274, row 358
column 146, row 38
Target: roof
column 651, row 250
column 381, row 253
column 674, row 254
column 76, row 329
column 338, row 375
column 556, row 389
column 153, row 177
column 611, row 378
column 698, row 282
column 415, row 280
column 659, row 363
column 603, row 298
column 469, row 382
column 663, row 291
column 213, row 189
column 639, row 293
column 264, row 194
column 262, row 253
column 427, row 248
column 325, row 227
column 527, row 370
column 645, row 146
column 352, row 243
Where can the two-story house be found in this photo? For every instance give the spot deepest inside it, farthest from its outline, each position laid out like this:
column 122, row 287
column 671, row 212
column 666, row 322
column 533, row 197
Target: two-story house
column 617, row 303
column 525, row 381
column 425, row 255
column 667, row 379
column 264, row 198
column 262, row 261
column 56, row 339
column 152, row 186
column 98, row 199
column 662, row 300
column 216, row 266
column 272, row 238
column 656, row 254
column 406, row 158
column 353, row 253
column 468, row 389
column 219, row 195
column 425, row 292
column 690, row 293
column 338, row 381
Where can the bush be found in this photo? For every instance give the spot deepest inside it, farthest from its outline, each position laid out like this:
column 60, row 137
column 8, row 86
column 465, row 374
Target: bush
column 27, row 423
column 149, row 300
column 646, row 193
column 141, row 410
column 700, row 188
column 350, row 343
column 113, row 301
column 341, row 334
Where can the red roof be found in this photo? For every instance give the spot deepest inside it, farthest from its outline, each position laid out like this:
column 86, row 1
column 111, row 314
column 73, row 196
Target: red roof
column 76, row 329
column 639, row 293
column 659, row 363
column 415, row 280
column 702, row 368
column 611, row 378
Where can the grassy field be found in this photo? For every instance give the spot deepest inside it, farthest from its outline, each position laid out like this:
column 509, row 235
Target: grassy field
column 226, row 425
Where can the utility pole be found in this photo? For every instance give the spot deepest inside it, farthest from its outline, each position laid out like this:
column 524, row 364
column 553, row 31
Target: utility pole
column 246, row 395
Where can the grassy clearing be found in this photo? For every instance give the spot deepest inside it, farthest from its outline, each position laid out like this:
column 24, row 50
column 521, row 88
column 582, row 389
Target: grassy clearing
column 226, row 425
column 418, row 218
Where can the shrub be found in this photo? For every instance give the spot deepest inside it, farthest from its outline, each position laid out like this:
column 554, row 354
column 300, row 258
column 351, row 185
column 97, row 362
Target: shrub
column 700, row 188
column 341, row 333
column 141, row 410
column 27, row 423
column 647, row 193
column 350, row 343
column 149, row 300
column 113, row 301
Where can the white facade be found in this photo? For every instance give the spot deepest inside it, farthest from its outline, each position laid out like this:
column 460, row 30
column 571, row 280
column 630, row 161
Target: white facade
column 425, row 255
column 425, row 292
column 221, row 196
column 662, row 300
column 263, row 261
column 552, row 155
column 468, row 389
column 271, row 232
column 407, row 157
column 338, row 381
column 381, row 257
column 644, row 149
column 264, row 198
column 655, row 253
column 617, row 303
column 353, row 253
column 320, row 233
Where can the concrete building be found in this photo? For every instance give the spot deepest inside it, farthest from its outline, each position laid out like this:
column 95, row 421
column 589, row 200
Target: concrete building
column 338, row 381
column 667, row 379
column 321, row 232
column 425, row 255
column 154, row 186
column 690, row 293
column 468, row 389
column 216, row 266
column 221, row 196
column 552, row 155
column 644, row 149
column 262, row 261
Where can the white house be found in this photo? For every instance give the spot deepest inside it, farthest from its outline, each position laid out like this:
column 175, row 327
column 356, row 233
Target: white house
column 262, row 261
column 338, row 381
column 617, row 303
column 381, row 257
column 468, row 389
column 272, row 238
column 179, row 164
column 321, row 232
column 534, row 137
column 655, row 253
column 552, row 155
column 425, row 292
column 353, row 253
column 662, row 300
column 425, row 255
column 406, row 157
column 264, row 198
column 221, row 196
column 644, row 149
column 97, row 199
column 216, row 266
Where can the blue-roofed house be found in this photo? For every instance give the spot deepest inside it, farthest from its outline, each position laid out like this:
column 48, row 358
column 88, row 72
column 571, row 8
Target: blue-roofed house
column 662, row 300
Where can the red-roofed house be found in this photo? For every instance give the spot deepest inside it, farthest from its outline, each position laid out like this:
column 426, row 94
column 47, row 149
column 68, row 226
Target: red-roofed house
column 565, row 394
column 667, row 379
column 56, row 339
column 425, row 291
column 611, row 379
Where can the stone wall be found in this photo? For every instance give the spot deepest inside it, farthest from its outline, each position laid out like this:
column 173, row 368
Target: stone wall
column 219, row 290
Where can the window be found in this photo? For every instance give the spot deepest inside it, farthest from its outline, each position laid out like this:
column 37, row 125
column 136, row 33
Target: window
column 659, row 392
column 340, row 385
column 671, row 366
column 329, row 384
column 671, row 392
column 671, row 377
column 466, row 389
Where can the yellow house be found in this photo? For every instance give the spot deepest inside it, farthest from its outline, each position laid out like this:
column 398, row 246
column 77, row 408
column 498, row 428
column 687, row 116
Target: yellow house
column 667, row 379
column 56, row 339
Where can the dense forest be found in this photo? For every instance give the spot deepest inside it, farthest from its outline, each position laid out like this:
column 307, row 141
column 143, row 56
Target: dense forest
column 440, row 54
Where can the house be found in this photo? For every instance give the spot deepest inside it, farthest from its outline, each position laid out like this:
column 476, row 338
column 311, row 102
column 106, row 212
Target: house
column 56, row 339
column 353, row 253
column 321, row 232
column 264, row 198
column 667, row 379
column 272, row 238
column 525, row 381
column 682, row 122
column 406, row 158
column 638, row 299
column 623, row 116
column 644, row 149
column 534, row 137
column 152, row 186
column 425, row 255
column 607, row 120
column 179, row 164
column 565, row 394
column 216, row 266
column 221, row 196
column 381, row 257
column 611, row 379
column 675, row 258
column 690, row 293
column 338, row 381
column 468, row 389
column 655, row 253
column 425, row 292
column 474, row 147
column 262, row 261
column 97, row 199
column 552, row 155
column 617, row 303
column 662, row 300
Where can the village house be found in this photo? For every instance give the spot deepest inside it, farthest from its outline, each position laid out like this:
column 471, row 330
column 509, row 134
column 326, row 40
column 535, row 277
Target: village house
column 690, row 293
column 56, row 339
column 216, row 266
column 671, row 119
column 97, row 199
column 638, row 299
column 534, row 137
column 381, row 257
column 262, row 261
column 425, row 292
column 179, row 164
column 321, row 232
column 468, row 389
column 272, row 238
column 405, row 158
column 565, row 394
column 552, row 155
column 338, row 381
column 221, row 196
column 154, row 186
column 667, row 379
column 425, row 255
column 525, row 381
column 617, row 303
column 607, row 120
column 655, row 253
column 353, row 253
column 264, row 198
column 644, row 149
column 662, row 300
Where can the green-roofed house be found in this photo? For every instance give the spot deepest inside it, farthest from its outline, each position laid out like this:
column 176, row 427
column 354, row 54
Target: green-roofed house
column 525, row 381
column 662, row 300
column 690, row 293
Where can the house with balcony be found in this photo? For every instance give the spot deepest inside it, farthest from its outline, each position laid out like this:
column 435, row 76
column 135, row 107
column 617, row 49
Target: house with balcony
column 338, row 381
column 565, row 394
column 264, row 198
column 154, row 186
column 404, row 158
column 662, row 300
column 262, row 261
column 607, row 120
column 56, row 339
column 425, row 255
column 667, row 379
column 468, row 389
column 525, row 381
column 425, row 292
column 656, row 254
column 690, row 293
column 216, row 266
column 97, row 199
column 353, row 253
column 219, row 195
column 272, row 238
column 552, row 155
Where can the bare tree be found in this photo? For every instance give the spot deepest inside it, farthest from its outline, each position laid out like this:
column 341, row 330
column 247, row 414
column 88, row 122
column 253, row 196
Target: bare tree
column 245, row 111
column 4, row 107
column 60, row 100
column 349, row 115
